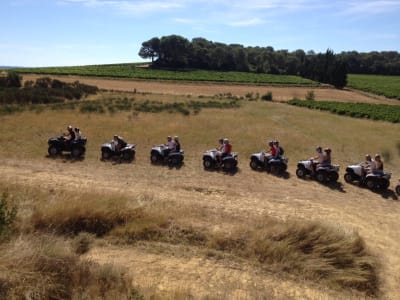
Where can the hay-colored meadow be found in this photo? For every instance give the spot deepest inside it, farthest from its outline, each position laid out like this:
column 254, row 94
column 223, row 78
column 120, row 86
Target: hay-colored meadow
column 182, row 247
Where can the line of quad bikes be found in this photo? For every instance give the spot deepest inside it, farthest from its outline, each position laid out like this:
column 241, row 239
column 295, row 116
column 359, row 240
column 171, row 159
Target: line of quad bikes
column 260, row 161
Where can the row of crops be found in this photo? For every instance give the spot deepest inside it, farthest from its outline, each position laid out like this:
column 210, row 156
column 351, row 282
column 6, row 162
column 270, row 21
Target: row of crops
column 137, row 72
column 388, row 86
column 383, row 112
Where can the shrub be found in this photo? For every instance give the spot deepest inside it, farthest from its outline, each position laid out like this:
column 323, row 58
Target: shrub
column 310, row 95
column 267, row 96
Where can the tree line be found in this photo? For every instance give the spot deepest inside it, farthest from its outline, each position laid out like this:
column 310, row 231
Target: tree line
column 175, row 51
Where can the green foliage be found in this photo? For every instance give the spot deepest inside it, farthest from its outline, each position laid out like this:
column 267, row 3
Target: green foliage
column 8, row 213
column 131, row 71
column 310, row 95
column 13, row 79
column 267, row 96
column 383, row 112
column 388, row 86
column 45, row 90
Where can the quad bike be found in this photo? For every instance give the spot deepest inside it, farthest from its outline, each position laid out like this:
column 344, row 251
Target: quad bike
column 264, row 161
column 160, row 154
column 60, row 144
column 126, row 153
column 322, row 173
column 371, row 181
column 228, row 163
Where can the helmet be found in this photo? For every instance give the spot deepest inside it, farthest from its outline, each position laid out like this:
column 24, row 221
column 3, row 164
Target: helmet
column 328, row 150
column 69, row 127
column 176, row 138
column 221, row 140
column 226, row 141
column 270, row 143
column 276, row 142
column 76, row 128
column 318, row 149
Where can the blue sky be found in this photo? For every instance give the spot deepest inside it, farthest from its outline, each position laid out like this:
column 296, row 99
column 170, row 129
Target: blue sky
column 82, row 32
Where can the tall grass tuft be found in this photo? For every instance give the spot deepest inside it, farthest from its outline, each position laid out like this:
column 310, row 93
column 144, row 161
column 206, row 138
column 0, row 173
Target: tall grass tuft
column 44, row 267
column 93, row 215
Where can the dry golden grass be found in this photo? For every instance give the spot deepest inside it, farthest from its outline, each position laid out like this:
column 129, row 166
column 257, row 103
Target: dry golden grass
column 44, row 267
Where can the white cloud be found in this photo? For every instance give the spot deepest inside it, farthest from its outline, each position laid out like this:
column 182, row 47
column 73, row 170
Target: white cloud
column 127, row 7
column 247, row 22
column 371, row 7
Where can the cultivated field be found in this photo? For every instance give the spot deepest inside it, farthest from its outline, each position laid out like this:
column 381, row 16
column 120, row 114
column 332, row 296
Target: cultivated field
column 196, row 229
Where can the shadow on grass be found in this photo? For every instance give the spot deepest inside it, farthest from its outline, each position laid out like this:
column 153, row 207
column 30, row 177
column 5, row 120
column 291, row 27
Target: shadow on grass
column 66, row 158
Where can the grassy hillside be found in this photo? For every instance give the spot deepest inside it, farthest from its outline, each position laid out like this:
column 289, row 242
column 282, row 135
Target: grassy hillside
column 388, row 86
column 274, row 237
column 136, row 72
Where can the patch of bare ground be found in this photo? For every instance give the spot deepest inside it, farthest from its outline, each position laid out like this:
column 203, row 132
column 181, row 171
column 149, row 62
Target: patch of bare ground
column 279, row 93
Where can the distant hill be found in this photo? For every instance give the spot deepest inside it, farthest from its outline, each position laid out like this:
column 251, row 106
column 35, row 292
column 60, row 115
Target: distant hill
column 8, row 67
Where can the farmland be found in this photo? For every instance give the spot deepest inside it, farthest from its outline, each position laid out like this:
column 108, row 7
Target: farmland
column 135, row 72
column 383, row 112
column 388, row 86
column 185, row 232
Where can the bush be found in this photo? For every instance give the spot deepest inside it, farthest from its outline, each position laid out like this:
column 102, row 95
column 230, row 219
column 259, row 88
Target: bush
column 267, row 96
column 310, row 96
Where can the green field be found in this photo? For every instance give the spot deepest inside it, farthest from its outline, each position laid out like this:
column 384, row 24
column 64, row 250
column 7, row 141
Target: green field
column 382, row 112
column 133, row 71
column 388, row 86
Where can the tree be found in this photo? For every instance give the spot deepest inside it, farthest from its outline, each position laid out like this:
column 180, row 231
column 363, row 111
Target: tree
column 13, row 79
column 174, row 51
column 150, row 49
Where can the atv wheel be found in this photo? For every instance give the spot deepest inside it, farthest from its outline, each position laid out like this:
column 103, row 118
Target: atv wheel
column 228, row 165
column 208, row 163
column 53, row 151
column 384, row 184
column 333, row 176
column 106, row 154
column 155, row 157
column 398, row 190
column 274, row 169
column 348, row 177
column 173, row 161
column 76, row 151
column 370, row 183
column 321, row 176
column 254, row 164
column 127, row 156
column 301, row 172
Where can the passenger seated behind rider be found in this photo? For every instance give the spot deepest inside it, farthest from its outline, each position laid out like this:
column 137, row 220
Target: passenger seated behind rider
column 119, row 143
column 377, row 165
column 78, row 133
column 272, row 150
column 327, row 157
column 70, row 135
column 279, row 149
column 177, row 145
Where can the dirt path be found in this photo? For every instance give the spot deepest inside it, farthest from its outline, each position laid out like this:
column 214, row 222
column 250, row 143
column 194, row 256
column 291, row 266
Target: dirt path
column 280, row 93
column 246, row 194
